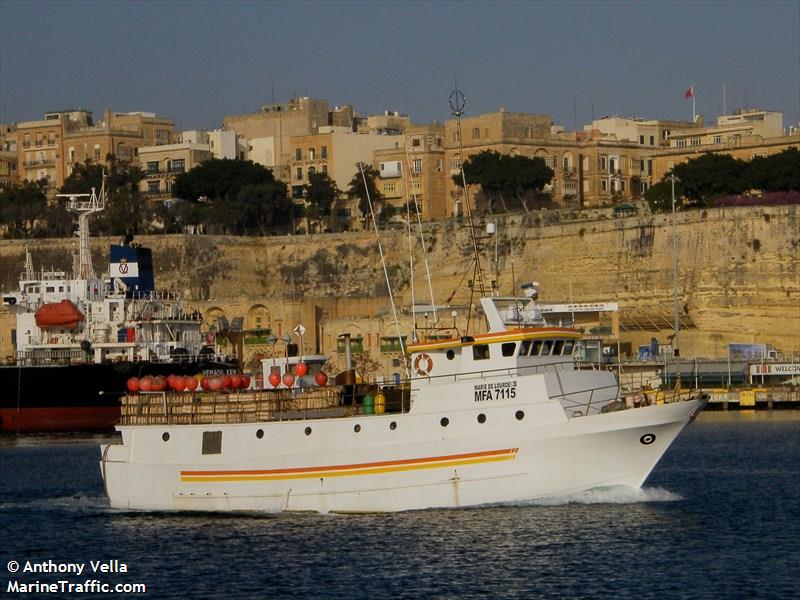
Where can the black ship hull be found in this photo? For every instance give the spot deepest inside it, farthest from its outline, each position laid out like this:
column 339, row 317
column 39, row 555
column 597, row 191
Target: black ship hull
column 78, row 397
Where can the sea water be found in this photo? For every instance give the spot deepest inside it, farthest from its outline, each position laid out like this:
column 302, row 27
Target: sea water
column 718, row 518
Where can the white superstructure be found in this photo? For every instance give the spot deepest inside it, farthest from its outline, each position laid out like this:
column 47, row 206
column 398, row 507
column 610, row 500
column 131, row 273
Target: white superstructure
column 499, row 417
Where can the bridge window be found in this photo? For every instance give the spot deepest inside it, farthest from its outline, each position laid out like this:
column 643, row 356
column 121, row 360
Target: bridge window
column 558, row 348
column 568, row 346
column 480, row 352
column 509, row 348
column 547, row 348
column 525, row 347
column 537, row 348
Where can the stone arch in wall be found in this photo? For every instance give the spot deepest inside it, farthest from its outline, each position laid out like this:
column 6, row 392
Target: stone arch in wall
column 258, row 317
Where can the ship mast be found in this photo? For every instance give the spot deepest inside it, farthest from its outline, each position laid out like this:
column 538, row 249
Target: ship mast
column 457, row 103
column 85, row 205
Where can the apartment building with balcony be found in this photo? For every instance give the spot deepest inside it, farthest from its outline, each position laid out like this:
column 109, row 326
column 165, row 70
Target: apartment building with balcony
column 415, row 171
column 8, row 154
column 49, row 148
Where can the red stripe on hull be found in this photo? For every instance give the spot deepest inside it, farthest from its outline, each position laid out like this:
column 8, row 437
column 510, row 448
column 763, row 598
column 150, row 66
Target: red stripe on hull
column 71, row 418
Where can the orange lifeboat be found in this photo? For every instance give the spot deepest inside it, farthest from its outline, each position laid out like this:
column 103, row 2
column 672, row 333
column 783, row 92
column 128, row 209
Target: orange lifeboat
column 59, row 314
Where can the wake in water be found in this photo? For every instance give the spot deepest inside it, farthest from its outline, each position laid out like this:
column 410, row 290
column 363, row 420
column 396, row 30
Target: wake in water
column 607, row 495
column 76, row 504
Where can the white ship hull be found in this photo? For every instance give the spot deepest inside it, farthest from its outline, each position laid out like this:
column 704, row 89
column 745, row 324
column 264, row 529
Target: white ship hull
column 415, row 465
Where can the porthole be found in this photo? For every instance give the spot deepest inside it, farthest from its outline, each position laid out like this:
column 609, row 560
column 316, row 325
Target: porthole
column 520, row 415
column 165, row 436
column 444, row 422
column 647, row 439
column 308, row 430
column 260, row 433
column 393, row 425
column 481, row 418
column 450, row 355
column 357, row 428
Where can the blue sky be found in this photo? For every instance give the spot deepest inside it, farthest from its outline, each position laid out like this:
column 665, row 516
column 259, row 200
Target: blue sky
column 196, row 62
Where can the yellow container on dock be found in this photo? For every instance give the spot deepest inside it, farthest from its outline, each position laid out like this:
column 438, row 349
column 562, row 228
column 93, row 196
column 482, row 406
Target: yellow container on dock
column 747, row 398
column 380, row 403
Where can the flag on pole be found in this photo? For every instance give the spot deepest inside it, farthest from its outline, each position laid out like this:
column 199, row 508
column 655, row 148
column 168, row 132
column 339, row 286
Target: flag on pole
column 689, row 93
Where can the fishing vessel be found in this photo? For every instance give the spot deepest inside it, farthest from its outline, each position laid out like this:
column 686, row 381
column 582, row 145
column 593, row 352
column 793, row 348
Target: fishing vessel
column 506, row 415
column 503, row 416
column 80, row 336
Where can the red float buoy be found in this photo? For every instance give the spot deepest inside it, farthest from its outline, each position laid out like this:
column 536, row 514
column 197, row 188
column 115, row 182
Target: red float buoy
column 146, row 384
column 245, row 382
column 133, row 384
column 274, row 379
column 288, row 380
column 236, row 382
column 301, row 369
column 215, row 384
column 189, row 383
column 321, row 378
column 226, row 382
column 204, row 383
column 159, row 383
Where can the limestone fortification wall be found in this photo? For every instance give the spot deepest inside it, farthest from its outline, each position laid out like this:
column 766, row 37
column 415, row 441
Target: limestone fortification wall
column 739, row 270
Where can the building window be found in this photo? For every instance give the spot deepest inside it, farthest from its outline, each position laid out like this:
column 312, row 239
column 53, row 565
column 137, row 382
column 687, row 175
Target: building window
column 153, row 187
column 52, row 138
column 311, row 171
column 298, row 154
column 603, row 185
column 97, row 153
column 152, row 166
column 602, row 163
column 455, row 164
column 439, row 165
column 388, row 188
column 417, row 165
column 476, row 133
column 717, row 139
column 324, row 169
column 71, row 154
column 299, row 173
column 695, row 141
column 323, row 152
column 416, row 142
column 652, row 140
column 680, row 143
column 311, row 153
column 178, row 165
column 641, row 139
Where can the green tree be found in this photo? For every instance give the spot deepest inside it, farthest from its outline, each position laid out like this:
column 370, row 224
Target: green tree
column 711, row 175
column 22, row 206
column 659, row 196
column 320, row 193
column 776, row 173
column 219, row 178
column 358, row 189
column 503, row 176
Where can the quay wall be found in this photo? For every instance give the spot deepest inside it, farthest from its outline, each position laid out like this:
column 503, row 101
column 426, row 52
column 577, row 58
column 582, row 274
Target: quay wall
column 738, row 273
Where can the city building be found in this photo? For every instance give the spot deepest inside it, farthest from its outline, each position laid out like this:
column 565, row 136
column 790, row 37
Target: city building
column 415, row 171
column 162, row 164
column 49, row 148
column 265, row 134
column 744, row 135
column 335, row 151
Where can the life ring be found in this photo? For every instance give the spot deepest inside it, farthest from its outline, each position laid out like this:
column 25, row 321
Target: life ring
column 423, row 364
